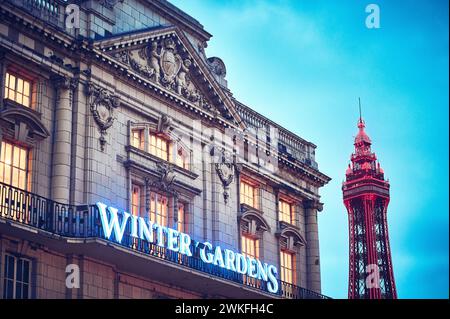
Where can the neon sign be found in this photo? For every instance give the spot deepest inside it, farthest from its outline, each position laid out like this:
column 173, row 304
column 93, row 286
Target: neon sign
column 180, row 242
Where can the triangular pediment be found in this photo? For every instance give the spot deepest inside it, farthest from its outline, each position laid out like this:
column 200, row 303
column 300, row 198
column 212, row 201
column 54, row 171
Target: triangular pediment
column 166, row 59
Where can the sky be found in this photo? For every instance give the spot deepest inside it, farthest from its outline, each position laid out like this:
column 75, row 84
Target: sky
column 304, row 63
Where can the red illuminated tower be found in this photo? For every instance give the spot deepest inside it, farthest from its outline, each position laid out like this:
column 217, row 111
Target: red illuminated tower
column 366, row 197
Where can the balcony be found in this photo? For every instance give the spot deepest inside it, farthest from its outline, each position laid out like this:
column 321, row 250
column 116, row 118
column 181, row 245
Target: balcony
column 67, row 224
column 49, row 11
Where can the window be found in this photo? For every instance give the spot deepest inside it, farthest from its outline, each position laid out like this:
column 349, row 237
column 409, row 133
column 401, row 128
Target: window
column 158, row 209
column 14, row 165
column 159, row 147
column 285, row 212
column 137, row 138
column 135, row 200
column 250, row 246
column 18, row 89
column 247, row 194
column 181, row 219
column 17, row 273
column 287, row 267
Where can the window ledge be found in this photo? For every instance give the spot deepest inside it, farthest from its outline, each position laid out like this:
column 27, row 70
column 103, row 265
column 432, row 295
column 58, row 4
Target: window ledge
column 245, row 208
column 176, row 168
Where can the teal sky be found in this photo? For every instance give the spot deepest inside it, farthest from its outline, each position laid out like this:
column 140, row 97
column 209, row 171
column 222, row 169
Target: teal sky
column 304, row 64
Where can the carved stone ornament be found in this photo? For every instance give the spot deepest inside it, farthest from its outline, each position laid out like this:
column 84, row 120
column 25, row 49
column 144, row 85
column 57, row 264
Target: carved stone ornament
column 164, row 124
column 166, row 63
column 166, row 178
column 110, row 3
column 225, row 170
column 102, row 104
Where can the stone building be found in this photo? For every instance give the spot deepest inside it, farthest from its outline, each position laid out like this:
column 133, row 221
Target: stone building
column 116, row 102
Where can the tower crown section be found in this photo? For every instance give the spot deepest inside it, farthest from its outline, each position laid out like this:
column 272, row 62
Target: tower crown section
column 364, row 168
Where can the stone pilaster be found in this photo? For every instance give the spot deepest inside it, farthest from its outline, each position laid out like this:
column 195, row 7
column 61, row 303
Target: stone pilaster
column 60, row 186
column 312, row 245
column 2, row 77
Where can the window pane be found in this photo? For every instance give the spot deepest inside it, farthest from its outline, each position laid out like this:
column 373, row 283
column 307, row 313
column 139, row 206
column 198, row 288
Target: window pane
column 18, row 290
column 19, row 88
column 9, row 267
column 19, row 270
column 12, row 82
column 26, row 271
column 25, row 291
column 9, row 288
column 26, row 88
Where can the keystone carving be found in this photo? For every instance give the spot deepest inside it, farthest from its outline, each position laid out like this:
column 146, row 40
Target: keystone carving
column 166, row 178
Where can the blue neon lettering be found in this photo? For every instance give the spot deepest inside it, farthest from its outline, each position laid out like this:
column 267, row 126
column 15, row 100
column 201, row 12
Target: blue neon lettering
column 207, row 258
column 112, row 224
column 172, row 239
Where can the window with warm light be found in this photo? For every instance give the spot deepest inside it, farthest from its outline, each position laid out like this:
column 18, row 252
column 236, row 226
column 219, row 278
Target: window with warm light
column 250, row 246
column 287, row 267
column 159, row 147
column 14, row 165
column 137, row 138
column 285, row 212
column 159, row 207
column 18, row 89
column 247, row 194
column 136, row 200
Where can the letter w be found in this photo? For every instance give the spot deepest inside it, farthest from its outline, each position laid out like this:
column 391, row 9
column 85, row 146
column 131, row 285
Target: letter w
column 113, row 222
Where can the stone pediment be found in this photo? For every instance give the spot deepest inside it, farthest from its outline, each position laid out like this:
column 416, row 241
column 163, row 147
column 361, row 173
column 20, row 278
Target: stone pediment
column 168, row 60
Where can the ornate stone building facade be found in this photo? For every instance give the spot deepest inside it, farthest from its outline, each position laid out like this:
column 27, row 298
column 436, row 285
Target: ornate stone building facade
column 126, row 109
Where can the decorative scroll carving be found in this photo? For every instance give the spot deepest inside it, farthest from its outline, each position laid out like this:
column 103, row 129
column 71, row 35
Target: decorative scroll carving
column 102, row 104
column 166, row 63
column 166, row 178
column 225, row 170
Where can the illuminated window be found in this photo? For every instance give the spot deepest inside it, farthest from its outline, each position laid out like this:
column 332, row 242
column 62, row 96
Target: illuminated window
column 135, row 200
column 159, row 147
column 287, row 267
column 285, row 212
column 18, row 89
column 14, row 165
column 250, row 246
column 159, row 207
column 181, row 226
column 248, row 193
column 16, row 282
column 137, row 138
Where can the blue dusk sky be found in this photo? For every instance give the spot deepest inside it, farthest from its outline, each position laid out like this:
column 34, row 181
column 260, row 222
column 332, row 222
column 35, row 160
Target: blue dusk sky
column 304, row 64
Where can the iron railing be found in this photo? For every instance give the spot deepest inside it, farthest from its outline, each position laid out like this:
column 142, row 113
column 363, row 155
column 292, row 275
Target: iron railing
column 83, row 221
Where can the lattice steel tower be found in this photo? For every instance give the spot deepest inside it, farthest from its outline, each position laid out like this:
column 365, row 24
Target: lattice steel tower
column 366, row 197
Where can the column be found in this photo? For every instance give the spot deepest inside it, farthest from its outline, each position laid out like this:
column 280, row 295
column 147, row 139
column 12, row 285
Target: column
column 312, row 245
column 60, row 189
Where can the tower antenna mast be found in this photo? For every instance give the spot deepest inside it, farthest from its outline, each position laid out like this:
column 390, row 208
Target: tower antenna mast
column 360, row 116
